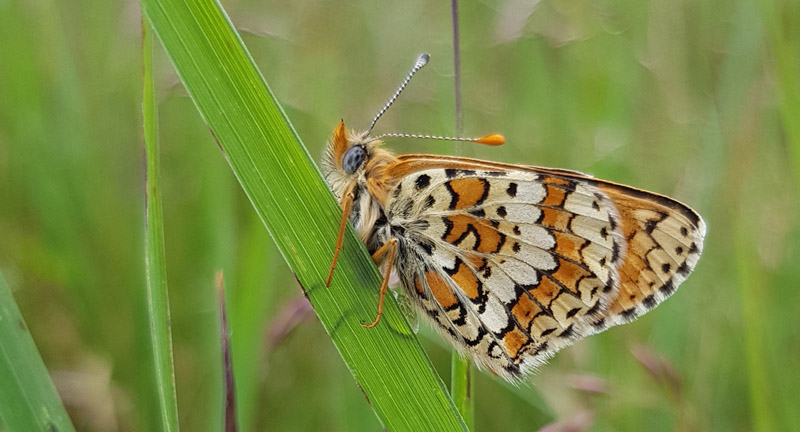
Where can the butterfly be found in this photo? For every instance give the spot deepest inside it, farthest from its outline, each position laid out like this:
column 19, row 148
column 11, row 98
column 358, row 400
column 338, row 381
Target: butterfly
column 510, row 262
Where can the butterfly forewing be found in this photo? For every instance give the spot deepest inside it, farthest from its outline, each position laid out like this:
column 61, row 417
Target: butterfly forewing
column 664, row 241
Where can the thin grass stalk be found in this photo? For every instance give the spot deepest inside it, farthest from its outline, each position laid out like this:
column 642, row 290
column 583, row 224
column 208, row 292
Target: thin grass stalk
column 155, row 264
column 28, row 398
column 460, row 368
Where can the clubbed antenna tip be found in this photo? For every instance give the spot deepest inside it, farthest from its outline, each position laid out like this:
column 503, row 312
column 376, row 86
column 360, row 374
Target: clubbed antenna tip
column 422, row 60
column 492, row 140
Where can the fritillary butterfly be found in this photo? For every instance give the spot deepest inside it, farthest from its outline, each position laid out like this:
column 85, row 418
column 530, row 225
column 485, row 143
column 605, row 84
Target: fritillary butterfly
column 511, row 262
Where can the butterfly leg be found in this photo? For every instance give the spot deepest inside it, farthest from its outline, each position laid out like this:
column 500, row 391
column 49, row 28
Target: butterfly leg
column 389, row 247
column 347, row 206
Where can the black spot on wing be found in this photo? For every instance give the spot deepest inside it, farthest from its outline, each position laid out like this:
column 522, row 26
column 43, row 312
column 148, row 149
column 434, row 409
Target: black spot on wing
column 668, row 288
column 512, row 189
column 568, row 332
column 422, row 181
column 628, row 313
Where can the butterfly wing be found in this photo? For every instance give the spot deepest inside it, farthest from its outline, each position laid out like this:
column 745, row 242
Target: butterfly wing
column 514, row 263
column 664, row 240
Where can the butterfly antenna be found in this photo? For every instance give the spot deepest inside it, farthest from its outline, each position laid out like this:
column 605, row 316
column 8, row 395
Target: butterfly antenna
column 422, row 60
column 492, row 140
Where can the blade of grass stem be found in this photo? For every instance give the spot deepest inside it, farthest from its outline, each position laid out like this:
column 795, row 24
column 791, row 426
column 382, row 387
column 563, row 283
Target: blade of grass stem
column 155, row 265
column 28, row 399
column 460, row 370
column 290, row 196
column 227, row 360
column 461, row 388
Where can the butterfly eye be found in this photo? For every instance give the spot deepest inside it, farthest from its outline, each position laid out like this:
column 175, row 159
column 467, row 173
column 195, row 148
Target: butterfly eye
column 353, row 158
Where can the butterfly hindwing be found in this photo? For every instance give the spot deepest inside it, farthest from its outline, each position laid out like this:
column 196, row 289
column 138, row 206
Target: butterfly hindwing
column 513, row 265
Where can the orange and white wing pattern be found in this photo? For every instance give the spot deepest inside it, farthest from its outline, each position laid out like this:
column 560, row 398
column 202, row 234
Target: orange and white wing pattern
column 514, row 263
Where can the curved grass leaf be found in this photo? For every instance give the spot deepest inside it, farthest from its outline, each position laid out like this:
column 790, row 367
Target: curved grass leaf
column 28, row 399
column 300, row 213
column 155, row 261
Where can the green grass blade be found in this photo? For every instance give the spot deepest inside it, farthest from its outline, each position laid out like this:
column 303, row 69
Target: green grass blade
column 28, row 399
column 292, row 199
column 461, row 388
column 156, row 267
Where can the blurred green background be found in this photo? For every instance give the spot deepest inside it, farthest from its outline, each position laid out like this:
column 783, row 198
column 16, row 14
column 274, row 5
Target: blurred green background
column 696, row 100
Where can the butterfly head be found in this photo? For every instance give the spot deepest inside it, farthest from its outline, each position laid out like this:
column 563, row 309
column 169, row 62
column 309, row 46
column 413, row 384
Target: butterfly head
column 352, row 156
column 349, row 154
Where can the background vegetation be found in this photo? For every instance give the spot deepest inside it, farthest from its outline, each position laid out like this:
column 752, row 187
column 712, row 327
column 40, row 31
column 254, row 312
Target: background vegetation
column 697, row 100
